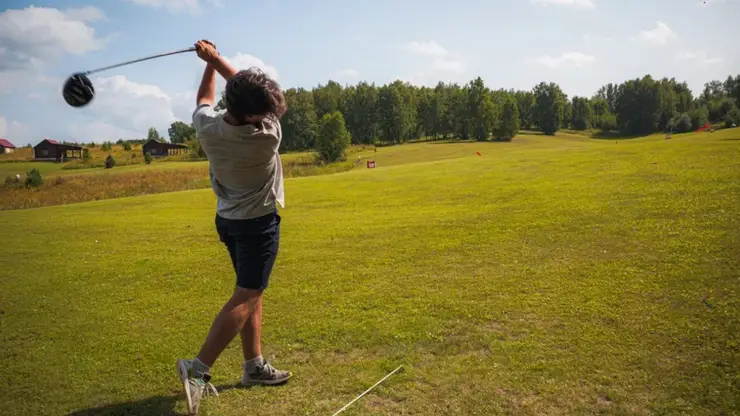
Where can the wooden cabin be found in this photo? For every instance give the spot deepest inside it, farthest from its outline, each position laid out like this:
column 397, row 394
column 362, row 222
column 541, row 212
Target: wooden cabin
column 162, row 149
column 6, row 146
column 53, row 150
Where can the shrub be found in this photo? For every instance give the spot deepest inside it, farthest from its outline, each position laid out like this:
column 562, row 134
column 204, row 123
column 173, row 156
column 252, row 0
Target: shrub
column 127, row 146
column 110, row 162
column 682, row 123
column 196, row 151
column 148, row 158
column 33, row 178
column 333, row 137
column 106, row 146
column 86, row 155
column 608, row 122
column 732, row 119
column 699, row 117
column 12, row 182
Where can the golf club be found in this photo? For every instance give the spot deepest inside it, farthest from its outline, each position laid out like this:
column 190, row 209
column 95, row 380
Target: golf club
column 78, row 90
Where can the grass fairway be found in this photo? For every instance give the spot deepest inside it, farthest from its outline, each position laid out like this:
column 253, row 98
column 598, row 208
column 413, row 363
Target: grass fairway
column 548, row 276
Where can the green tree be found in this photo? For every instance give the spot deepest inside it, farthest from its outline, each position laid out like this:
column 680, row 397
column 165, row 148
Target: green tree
column 680, row 124
column 525, row 102
column 361, row 113
column 732, row 118
column 153, row 134
column 147, row 158
column 333, row 137
column 327, row 98
column 395, row 123
column 299, row 123
column 106, row 146
column 480, row 110
column 549, row 107
column 638, row 106
column 699, row 117
column 180, row 132
column 508, row 124
column 581, row 117
column 126, row 146
column 196, row 151
column 85, row 155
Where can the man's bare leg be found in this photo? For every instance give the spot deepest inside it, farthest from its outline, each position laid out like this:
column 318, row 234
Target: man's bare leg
column 256, row 369
column 251, row 332
column 228, row 323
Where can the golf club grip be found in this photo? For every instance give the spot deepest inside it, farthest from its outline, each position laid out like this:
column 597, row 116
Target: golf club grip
column 190, row 49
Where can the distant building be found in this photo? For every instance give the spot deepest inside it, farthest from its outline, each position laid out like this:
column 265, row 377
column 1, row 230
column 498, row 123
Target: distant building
column 53, row 150
column 6, row 146
column 161, row 149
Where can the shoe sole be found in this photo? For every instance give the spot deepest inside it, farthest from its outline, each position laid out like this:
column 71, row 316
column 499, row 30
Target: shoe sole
column 183, row 372
column 266, row 382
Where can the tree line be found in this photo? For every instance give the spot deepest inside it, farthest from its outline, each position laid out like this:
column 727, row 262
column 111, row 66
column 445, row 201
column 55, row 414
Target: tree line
column 399, row 111
column 366, row 113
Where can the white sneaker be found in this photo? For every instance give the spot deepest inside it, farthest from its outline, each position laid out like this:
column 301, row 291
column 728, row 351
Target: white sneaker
column 265, row 374
column 195, row 388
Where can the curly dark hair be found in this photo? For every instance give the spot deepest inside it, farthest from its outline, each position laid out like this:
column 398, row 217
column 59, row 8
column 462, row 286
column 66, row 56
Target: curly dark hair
column 251, row 92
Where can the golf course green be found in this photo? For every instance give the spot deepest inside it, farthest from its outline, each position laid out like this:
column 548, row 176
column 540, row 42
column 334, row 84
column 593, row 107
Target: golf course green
column 548, row 276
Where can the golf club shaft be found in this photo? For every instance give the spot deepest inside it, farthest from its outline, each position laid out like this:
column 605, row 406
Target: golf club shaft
column 191, row 49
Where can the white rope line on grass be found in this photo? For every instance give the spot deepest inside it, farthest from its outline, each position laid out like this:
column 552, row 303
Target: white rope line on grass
column 366, row 391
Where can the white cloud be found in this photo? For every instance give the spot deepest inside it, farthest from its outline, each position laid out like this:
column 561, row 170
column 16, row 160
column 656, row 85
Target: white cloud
column 245, row 61
column 581, row 4
column 448, row 65
column 34, row 36
column 590, row 39
column 177, row 6
column 100, row 131
column 127, row 106
column 430, row 48
column 14, row 131
column 659, row 36
column 85, row 14
column 349, row 73
column 445, row 65
column 567, row 59
column 700, row 58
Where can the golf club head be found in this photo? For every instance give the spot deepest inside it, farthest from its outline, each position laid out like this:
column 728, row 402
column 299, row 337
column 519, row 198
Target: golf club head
column 78, row 90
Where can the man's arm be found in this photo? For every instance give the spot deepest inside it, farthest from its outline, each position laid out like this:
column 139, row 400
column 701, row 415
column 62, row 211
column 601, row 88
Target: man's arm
column 207, row 90
column 224, row 68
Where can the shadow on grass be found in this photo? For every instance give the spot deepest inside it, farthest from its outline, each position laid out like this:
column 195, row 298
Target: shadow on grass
column 156, row 405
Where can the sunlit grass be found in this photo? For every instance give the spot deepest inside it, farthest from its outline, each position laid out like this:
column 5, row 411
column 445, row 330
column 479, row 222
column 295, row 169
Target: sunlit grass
column 549, row 276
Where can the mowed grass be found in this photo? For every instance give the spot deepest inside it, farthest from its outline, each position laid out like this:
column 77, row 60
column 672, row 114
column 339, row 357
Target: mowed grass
column 556, row 276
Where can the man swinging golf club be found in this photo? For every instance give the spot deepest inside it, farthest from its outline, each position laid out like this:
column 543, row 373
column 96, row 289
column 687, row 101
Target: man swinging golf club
column 246, row 175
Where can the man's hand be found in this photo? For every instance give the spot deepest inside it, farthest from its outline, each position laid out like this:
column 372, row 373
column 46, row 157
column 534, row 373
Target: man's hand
column 206, row 51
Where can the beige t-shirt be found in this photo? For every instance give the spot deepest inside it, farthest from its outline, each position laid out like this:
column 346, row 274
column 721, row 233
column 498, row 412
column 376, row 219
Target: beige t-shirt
column 244, row 164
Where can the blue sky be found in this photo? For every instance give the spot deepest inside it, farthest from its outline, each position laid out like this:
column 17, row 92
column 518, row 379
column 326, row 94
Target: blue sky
column 580, row 44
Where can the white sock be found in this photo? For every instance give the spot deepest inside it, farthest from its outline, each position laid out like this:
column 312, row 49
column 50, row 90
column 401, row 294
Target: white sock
column 252, row 364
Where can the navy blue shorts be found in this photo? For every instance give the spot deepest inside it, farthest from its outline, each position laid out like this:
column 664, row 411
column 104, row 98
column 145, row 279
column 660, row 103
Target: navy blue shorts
column 253, row 247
